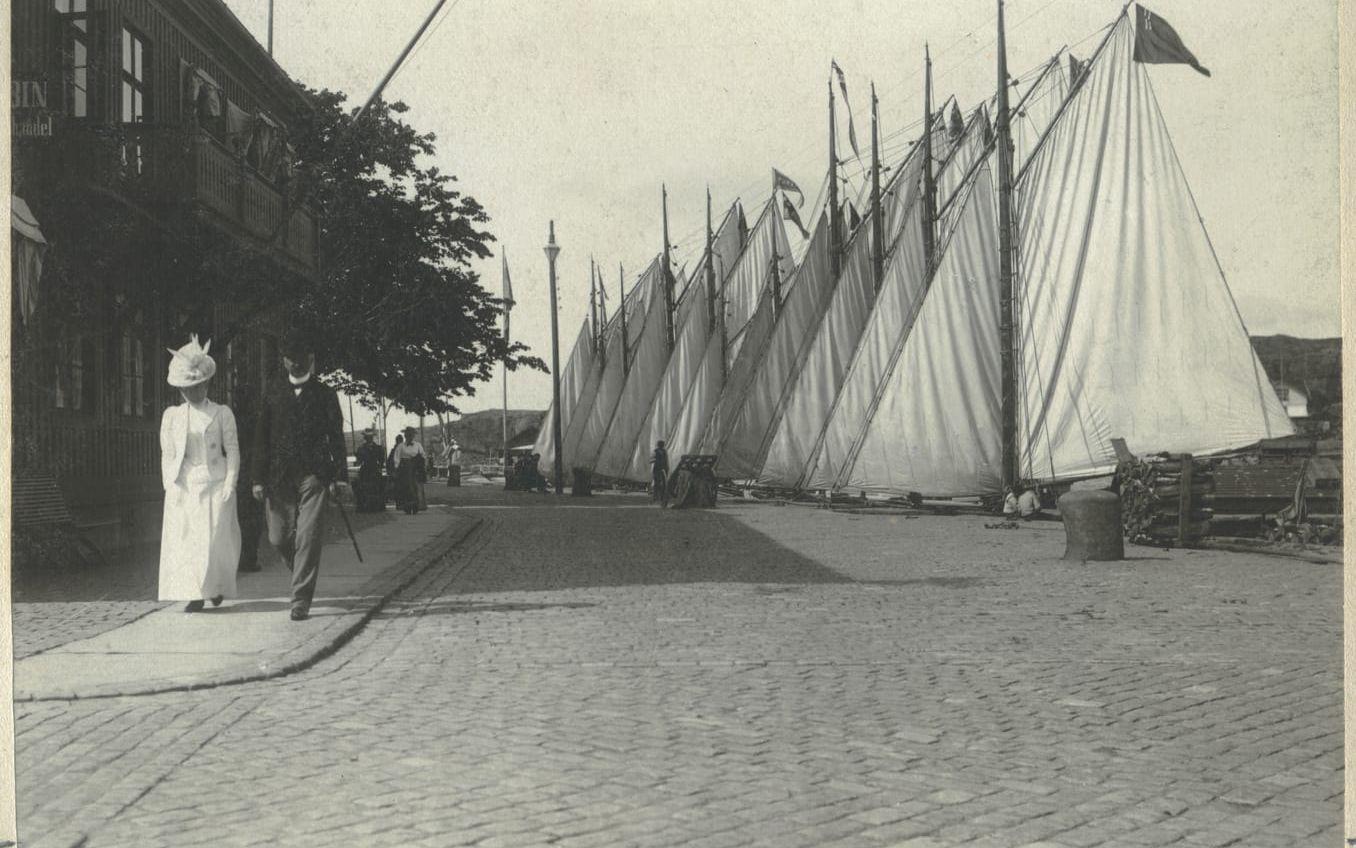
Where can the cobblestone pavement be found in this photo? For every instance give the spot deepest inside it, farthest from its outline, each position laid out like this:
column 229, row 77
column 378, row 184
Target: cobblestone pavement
column 606, row 676
column 40, row 627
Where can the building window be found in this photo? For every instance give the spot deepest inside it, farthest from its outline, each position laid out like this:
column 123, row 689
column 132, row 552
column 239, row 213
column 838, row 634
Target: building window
column 69, row 382
column 133, row 88
column 227, row 369
column 132, row 382
column 75, row 41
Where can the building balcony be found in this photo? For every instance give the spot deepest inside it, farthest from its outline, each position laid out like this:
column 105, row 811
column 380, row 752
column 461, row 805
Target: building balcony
column 165, row 170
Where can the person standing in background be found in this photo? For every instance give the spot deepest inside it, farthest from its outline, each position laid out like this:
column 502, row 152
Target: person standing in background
column 396, row 493
column 410, row 473
column 659, row 472
column 369, row 488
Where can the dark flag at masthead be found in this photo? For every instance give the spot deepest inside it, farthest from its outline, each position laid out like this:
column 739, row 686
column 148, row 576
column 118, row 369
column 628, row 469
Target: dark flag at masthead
column 1157, row 43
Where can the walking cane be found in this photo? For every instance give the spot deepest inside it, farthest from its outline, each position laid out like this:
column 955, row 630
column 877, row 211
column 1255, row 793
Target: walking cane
column 349, row 527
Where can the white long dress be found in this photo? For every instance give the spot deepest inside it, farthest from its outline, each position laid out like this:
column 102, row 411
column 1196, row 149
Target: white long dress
column 200, row 537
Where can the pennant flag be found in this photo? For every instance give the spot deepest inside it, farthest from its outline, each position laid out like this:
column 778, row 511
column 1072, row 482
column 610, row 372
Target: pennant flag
column 508, row 296
column 842, row 86
column 1157, row 43
column 793, row 216
column 785, row 183
column 1076, row 69
column 957, row 128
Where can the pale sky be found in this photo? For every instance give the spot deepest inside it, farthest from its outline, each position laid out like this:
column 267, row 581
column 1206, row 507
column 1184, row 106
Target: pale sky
column 579, row 111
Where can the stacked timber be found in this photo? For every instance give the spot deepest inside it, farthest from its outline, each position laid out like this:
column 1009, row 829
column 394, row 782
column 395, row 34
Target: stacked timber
column 1164, row 500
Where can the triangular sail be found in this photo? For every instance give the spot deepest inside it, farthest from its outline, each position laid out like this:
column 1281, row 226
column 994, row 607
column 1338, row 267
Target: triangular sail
column 572, row 380
column 796, row 436
column 648, row 361
column 693, row 334
column 892, row 317
column 936, row 429
column 743, row 287
column 1128, row 328
column 604, row 387
column 746, row 420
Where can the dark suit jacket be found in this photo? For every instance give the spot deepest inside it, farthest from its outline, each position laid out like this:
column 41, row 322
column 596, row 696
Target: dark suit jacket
column 298, row 434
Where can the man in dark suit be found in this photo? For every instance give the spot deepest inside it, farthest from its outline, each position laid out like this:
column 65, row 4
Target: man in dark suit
column 299, row 458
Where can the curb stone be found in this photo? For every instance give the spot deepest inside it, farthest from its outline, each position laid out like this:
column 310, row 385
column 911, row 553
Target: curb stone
column 371, row 598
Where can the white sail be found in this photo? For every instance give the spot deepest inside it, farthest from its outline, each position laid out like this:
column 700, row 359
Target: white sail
column 936, row 429
column 740, row 374
column 604, row 387
column 795, row 437
column 693, row 334
column 572, row 380
column 1127, row 326
column 892, row 317
column 817, row 384
column 648, row 361
column 747, row 419
column 743, row 287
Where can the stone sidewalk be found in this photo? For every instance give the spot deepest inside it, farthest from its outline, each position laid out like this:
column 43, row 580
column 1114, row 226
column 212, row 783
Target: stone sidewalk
column 152, row 647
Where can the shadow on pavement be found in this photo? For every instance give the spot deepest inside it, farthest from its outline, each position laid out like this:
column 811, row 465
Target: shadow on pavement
column 620, row 541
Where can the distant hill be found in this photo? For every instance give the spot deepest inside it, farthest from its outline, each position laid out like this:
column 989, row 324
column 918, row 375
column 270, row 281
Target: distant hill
column 482, row 432
column 1316, row 364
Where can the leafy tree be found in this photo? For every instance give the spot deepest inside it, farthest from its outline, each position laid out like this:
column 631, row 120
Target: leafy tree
column 399, row 313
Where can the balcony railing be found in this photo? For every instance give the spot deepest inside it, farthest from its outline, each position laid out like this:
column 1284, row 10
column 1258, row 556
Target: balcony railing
column 230, row 187
column 157, row 165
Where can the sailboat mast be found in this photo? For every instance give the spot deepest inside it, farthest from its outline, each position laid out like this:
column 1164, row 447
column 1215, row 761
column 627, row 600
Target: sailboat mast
column 1007, row 331
column 626, row 341
column 776, row 285
column 710, row 266
column 593, row 302
column 668, row 277
column 602, row 310
column 929, row 181
column 835, row 237
column 877, row 218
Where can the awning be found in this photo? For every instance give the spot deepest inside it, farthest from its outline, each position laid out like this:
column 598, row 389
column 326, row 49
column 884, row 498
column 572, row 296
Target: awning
column 28, row 247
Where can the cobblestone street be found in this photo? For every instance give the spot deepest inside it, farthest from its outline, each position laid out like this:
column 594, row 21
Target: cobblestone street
column 602, row 673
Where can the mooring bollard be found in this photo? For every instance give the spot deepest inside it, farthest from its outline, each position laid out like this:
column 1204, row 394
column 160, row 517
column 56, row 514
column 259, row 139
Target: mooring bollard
column 1092, row 526
column 583, row 483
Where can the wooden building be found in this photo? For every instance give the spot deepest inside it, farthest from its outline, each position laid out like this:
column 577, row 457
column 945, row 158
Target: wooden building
column 151, row 142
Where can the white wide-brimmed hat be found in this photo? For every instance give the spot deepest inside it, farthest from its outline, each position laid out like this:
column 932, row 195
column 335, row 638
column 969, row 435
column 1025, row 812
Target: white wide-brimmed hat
column 191, row 365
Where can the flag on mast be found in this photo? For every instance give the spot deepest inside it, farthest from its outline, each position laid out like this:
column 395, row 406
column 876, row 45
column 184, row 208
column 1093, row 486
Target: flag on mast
column 842, row 86
column 1157, row 43
column 785, row 183
column 793, row 216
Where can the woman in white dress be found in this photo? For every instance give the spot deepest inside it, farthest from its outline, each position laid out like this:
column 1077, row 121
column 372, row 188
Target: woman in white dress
column 199, row 466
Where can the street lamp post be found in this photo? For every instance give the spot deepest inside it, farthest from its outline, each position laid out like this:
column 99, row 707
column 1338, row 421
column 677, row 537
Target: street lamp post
column 552, row 251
